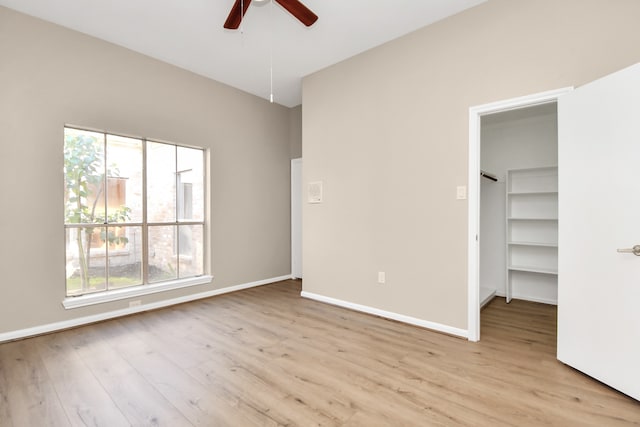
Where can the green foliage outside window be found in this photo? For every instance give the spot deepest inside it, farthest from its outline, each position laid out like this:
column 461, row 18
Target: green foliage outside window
column 85, row 179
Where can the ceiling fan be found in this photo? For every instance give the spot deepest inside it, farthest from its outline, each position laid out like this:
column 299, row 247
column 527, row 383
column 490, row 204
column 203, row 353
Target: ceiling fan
column 294, row 7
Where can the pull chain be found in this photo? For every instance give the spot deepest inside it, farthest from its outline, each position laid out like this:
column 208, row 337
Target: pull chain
column 241, row 17
column 271, row 52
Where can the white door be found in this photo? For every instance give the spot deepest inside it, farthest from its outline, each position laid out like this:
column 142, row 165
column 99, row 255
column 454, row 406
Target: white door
column 599, row 208
column 296, row 218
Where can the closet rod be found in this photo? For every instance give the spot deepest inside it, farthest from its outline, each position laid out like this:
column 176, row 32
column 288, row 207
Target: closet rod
column 488, row 176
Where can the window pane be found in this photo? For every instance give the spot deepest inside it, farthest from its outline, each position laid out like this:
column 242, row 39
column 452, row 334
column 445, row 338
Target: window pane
column 190, row 184
column 125, row 257
column 83, row 176
column 161, row 182
column 190, row 250
column 86, row 262
column 124, row 179
column 162, row 256
column 105, row 179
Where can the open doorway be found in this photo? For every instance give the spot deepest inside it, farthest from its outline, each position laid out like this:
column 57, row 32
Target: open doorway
column 521, row 150
column 519, row 204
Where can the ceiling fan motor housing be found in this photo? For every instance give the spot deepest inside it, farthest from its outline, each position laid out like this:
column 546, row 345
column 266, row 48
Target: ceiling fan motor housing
column 294, row 7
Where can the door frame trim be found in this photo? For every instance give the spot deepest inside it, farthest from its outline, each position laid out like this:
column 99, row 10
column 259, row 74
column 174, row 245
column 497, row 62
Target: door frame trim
column 296, row 229
column 473, row 242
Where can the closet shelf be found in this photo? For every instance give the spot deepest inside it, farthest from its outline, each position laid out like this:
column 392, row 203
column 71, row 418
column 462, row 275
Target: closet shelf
column 532, row 232
column 530, row 219
column 533, row 269
column 542, row 244
column 531, row 193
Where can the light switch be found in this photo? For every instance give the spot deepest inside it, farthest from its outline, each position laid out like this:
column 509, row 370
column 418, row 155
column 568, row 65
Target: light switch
column 461, row 192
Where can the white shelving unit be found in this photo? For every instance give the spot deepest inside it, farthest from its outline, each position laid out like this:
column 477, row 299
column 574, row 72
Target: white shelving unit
column 532, row 234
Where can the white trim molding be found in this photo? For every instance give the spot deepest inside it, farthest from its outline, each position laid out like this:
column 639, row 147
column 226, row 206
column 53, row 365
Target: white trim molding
column 473, row 268
column 85, row 320
column 132, row 292
column 387, row 314
column 296, row 218
column 549, row 301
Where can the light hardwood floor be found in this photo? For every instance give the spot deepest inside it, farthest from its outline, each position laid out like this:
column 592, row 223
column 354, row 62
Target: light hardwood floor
column 267, row 357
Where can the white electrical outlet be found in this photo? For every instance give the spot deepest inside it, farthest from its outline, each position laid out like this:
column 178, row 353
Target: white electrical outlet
column 381, row 277
column 135, row 303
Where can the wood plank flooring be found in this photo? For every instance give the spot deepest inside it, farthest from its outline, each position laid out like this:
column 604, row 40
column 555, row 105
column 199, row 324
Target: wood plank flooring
column 267, row 357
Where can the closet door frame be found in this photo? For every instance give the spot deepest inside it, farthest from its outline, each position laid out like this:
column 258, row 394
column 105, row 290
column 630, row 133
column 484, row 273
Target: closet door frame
column 473, row 243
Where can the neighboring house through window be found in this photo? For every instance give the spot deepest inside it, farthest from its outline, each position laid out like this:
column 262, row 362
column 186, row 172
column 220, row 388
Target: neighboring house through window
column 134, row 211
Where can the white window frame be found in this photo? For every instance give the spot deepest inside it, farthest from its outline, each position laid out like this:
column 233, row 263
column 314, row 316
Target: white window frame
column 100, row 297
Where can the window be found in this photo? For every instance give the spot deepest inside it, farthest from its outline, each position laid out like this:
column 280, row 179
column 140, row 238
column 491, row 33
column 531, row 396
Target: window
column 134, row 212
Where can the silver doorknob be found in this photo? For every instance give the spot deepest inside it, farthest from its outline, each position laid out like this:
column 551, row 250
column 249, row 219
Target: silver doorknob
column 634, row 250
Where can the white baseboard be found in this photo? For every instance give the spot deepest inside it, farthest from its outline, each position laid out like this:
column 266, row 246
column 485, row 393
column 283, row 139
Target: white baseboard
column 72, row 323
column 535, row 299
column 529, row 298
column 388, row 314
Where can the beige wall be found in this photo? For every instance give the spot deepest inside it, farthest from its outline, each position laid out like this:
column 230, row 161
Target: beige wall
column 387, row 133
column 51, row 76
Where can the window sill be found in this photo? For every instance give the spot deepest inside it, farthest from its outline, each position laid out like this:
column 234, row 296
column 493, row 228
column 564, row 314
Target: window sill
column 118, row 294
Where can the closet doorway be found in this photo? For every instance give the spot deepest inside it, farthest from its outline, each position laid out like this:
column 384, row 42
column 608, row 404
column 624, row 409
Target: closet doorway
column 519, row 204
column 513, row 202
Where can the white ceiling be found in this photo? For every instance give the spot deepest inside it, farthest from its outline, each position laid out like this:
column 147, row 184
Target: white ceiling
column 189, row 34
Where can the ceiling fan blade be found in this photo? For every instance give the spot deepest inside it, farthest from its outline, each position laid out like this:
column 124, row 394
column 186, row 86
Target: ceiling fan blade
column 235, row 16
column 300, row 11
